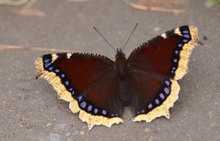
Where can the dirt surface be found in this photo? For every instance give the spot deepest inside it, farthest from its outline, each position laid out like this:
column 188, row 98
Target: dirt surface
column 29, row 108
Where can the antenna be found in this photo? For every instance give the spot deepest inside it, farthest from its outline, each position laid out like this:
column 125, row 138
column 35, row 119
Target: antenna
column 130, row 35
column 109, row 43
column 103, row 37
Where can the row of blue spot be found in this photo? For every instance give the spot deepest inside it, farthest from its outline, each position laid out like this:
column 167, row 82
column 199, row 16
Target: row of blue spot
column 90, row 108
column 47, row 62
column 49, row 67
column 162, row 96
column 186, row 34
column 186, row 37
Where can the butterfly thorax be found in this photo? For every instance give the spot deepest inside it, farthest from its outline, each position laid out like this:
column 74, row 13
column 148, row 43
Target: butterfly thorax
column 121, row 65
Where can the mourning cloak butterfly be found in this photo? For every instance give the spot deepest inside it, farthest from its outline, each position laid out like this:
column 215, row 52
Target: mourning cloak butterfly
column 99, row 88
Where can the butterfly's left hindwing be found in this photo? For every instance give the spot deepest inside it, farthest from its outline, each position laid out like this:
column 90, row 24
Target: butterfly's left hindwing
column 81, row 80
column 156, row 65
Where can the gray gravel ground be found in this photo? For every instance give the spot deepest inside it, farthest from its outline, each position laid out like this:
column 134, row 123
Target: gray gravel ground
column 29, row 108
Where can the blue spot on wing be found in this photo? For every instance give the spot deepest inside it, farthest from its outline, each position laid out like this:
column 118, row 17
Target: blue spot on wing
column 46, row 60
column 79, row 98
column 166, row 90
column 50, row 68
column 185, row 31
column 46, row 65
column 162, row 96
column 89, row 108
column 150, row 106
column 57, row 70
column 104, row 112
column 83, row 105
column 186, row 36
column 62, row 75
column 67, row 83
column 96, row 110
column 185, row 40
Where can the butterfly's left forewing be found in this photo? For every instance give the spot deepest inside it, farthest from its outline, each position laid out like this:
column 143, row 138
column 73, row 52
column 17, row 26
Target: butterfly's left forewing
column 86, row 81
column 155, row 66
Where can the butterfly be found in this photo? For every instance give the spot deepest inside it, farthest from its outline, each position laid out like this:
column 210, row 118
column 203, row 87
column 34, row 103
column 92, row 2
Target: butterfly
column 99, row 89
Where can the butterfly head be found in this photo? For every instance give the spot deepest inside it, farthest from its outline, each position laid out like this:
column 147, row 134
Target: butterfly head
column 119, row 55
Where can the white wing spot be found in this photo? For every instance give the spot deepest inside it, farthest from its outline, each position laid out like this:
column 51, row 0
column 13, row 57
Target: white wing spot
column 164, row 35
column 68, row 55
column 177, row 31
column 54, row 57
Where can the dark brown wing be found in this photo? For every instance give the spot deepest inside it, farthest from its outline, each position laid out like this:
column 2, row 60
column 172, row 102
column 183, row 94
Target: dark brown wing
column 86, row 81
column 155, row 67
